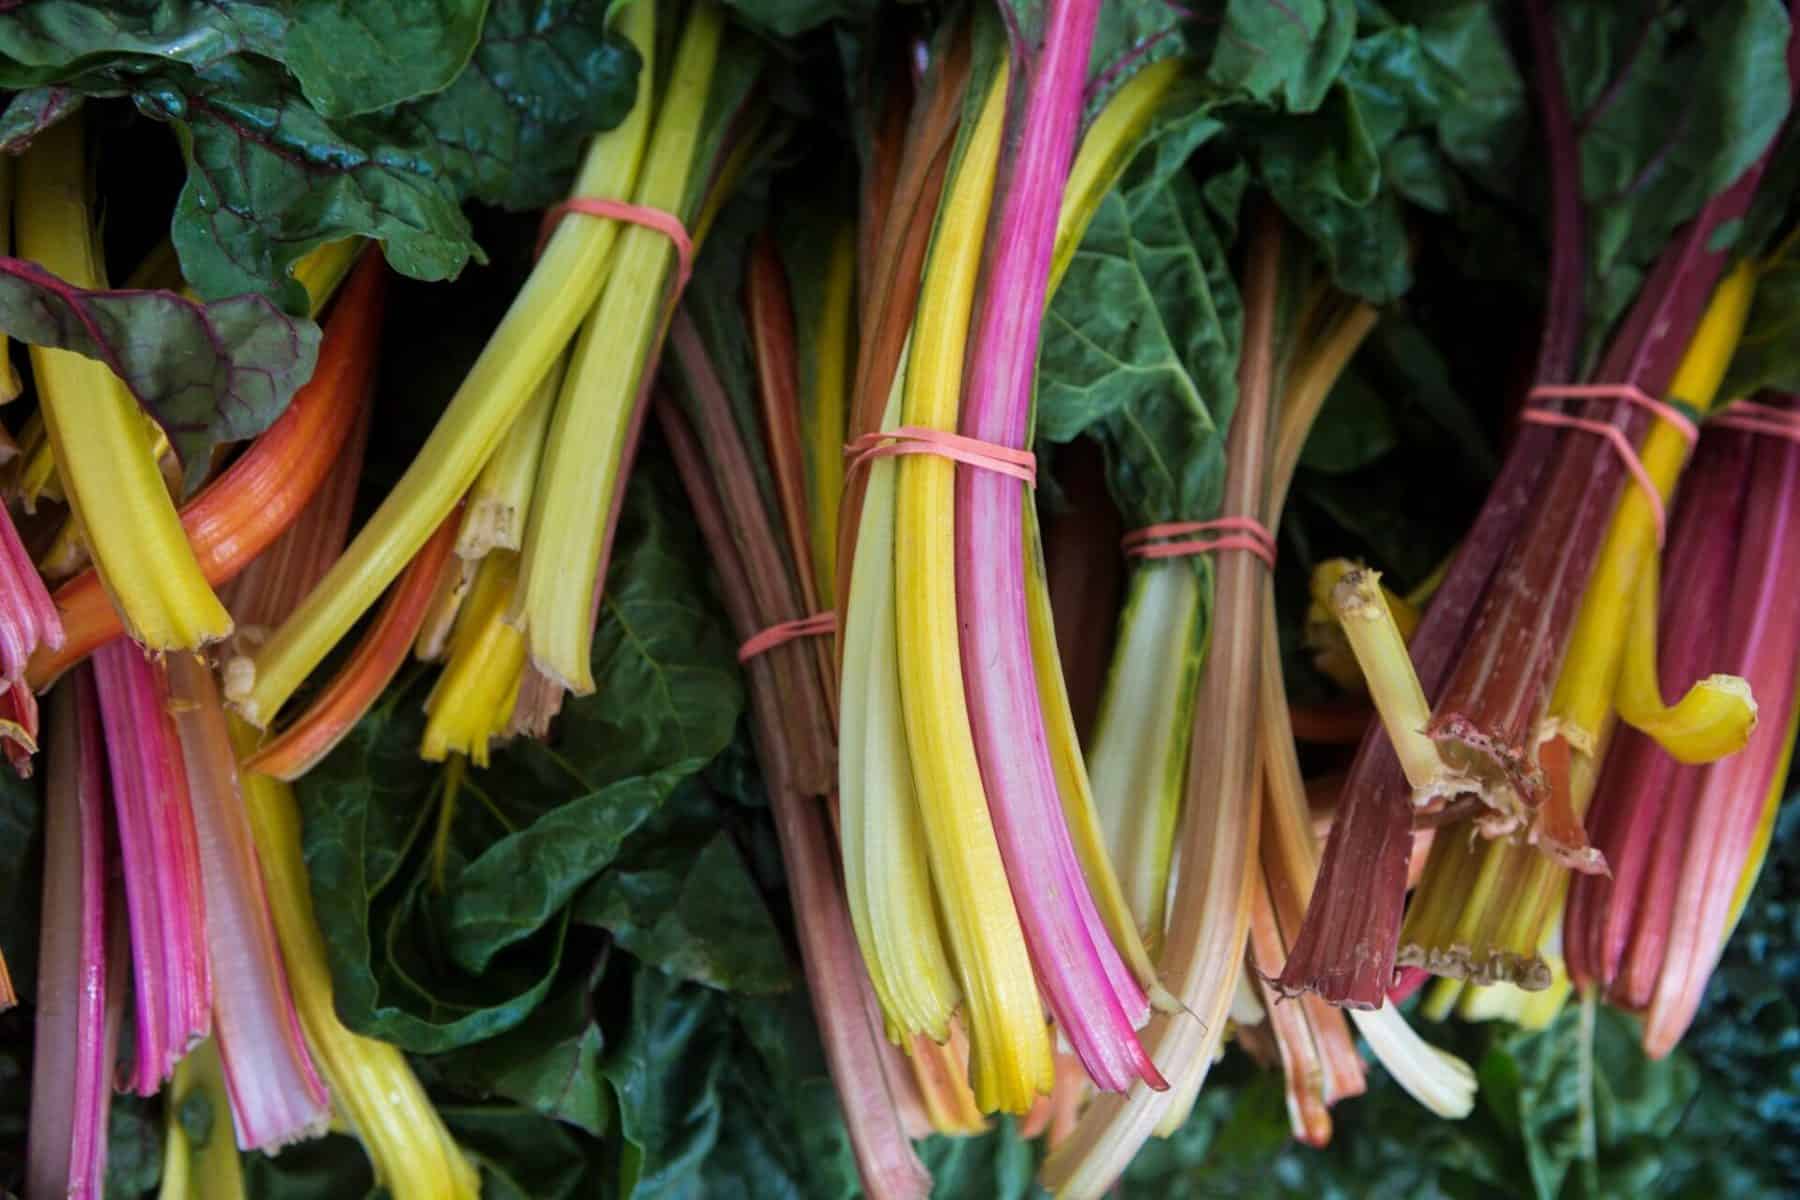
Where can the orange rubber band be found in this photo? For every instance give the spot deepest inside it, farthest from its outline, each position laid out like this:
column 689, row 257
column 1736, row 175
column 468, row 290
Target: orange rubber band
column 1251, row 536
column 665, row 223
column 1750, row 417
column 817, row 625
column 1628, row 455
column 973, row 452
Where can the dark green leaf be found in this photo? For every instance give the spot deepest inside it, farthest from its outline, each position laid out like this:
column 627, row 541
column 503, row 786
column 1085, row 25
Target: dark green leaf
column 550, row 1065
column 208, row 373
column 681, row 899
column 30, row 112
column 524, row 1156
column 350, row 56
column 1281, row 51
column 333, row 1167
column 134, row 1144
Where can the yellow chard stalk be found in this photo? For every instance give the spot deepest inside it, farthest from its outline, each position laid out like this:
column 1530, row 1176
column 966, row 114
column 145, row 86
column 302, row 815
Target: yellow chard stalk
column 99, row 436
column 472, row 701
column 495, row 516
column 537, row 328
column 208, row 1168
column 1010, row 1042
column 371, row 1084
column 603, row 392
column 1717, row 716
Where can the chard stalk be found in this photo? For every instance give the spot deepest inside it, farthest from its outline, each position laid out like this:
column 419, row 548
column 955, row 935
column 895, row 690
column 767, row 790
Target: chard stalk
column 370, row 1082
column 377, row 658
column 886, row 861
column 31, row 475
column 562, row 288
column 1209, row 915
column 98, row 433
column 171, row 975
column 471, row 704
column 825, row 408
column 1380, row 649
column 236, row 516
column 494, row 514
column 211, row 1170
column 601, row 403
column 1091, row 990
column 1763, row 641
column 71, row 1092
column 1010, row 1046
column 276, row 1095
column 728, row 508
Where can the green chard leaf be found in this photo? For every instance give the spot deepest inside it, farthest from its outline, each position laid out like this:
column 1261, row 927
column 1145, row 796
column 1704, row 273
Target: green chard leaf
column 30, row 112
column 1285, row 52
column 1670, row 113
column 445, row 903
column 297, row 135
column 1140, row 348
column 208, row 373
column 349, row 56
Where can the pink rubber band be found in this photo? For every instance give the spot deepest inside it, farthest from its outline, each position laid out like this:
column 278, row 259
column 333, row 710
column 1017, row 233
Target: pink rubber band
column 1628, row 455
column 1251, row 536
column 1631, row 393
column 817, row 625
column 665, row 223
column 1751, row 417
column 914, row 439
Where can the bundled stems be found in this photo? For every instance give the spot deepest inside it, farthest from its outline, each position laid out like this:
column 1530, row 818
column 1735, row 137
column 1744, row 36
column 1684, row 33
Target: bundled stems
column 732, row 519
column 1217, row 845
column 1090, row 989
column 538, row 326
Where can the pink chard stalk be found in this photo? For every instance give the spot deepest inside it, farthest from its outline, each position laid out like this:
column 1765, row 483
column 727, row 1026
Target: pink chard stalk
column 28, row 620
column 276, row 1094
column 1091, row 990
column 66, row 1146
column 166, row 909
column 1762, row 642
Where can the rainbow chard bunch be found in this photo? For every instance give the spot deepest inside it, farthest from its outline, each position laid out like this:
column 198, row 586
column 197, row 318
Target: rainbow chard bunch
column 1501, row 731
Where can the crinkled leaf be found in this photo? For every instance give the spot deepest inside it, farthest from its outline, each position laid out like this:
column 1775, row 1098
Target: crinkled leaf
column 681, row 898
column 723, row 1096
column 280, row 159
column 1279, row 51
column 349, row 56
column 269, row 179
column 550, row 1064
column 208, row 373
column 522, row 1155
column 355, row 56
column 1768, row 355
column 49, row 43
column 546, row 74
column 1670, row 113
column 440, row 942
column 134, row 1146
column 30, row 112
column 1140, row 350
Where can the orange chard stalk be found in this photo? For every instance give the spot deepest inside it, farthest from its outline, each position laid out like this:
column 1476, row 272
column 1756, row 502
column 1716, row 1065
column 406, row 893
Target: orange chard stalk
column 270, row 587
column 362, row 679
column 235, row 517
